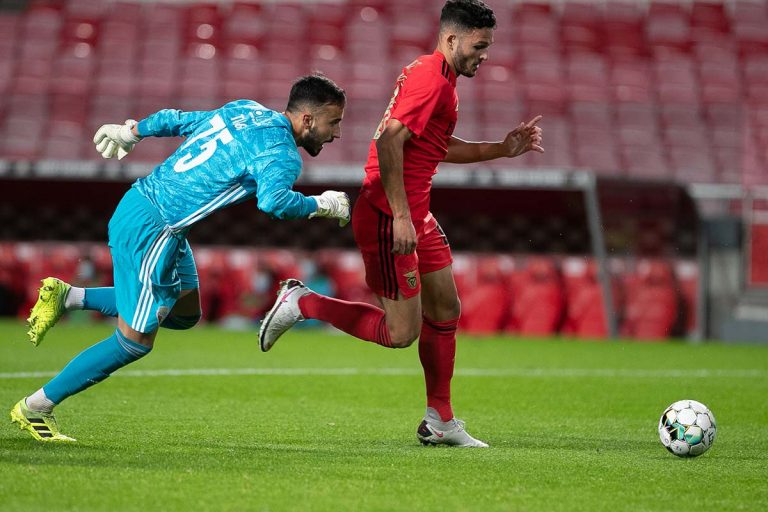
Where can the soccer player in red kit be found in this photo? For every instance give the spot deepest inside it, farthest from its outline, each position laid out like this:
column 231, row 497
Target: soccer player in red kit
column 407, row 256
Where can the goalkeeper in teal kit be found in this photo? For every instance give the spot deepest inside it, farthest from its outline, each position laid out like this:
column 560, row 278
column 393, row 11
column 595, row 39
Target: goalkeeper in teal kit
column 237, row 152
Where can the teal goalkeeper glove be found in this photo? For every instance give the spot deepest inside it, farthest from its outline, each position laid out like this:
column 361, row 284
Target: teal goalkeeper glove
column 333, row 204
column 115, row 139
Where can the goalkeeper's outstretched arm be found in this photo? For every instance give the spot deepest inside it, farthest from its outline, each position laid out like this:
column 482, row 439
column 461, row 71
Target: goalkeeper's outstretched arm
column 118, row 140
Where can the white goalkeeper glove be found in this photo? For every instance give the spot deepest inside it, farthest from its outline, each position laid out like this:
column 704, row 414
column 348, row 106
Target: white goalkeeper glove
column 332, row 204
column 115, row 139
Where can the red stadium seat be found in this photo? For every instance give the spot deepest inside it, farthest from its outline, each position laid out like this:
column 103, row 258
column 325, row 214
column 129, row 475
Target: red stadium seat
column 538, row 304
column 642, row 116
column 579, row 27
column 668, row 26
column 633, row 59
column 644, row 162
column 484, row 308
column 241, row 79
column 591, row 114
column 155, row 150
column 244, row 24
column 486, row 294
column 653, row 305
column 219, row 287
column 85, row 8
column 585, row 313
column 65, row 143
column 104, row 109
column 631, row 81
column 73, row 71
column 9, row 27
column 601, row 158
column 115, row 79
column 200, row 77
column 14, row 276
column 692, row 165
column 80, row 29
column 33, row 76
column 43, row 20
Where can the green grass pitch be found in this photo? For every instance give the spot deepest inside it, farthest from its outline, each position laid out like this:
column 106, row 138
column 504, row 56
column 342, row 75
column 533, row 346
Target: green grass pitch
column 325, row 422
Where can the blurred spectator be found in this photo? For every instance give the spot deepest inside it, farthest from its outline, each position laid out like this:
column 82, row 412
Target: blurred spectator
column 317, row 279
column 250, row 293
column 86, row 273
column 265, row 282
column 219, row 290
column 239, row 285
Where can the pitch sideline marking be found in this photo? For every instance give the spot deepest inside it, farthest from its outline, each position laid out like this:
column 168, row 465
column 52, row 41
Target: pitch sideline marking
column 460, row 372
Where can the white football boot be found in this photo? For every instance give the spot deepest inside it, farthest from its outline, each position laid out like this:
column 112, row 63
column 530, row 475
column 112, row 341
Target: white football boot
column 284, row 314
column 434, row 432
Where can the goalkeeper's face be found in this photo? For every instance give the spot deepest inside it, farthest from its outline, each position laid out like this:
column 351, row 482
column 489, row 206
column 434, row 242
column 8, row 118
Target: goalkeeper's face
column 321, row 127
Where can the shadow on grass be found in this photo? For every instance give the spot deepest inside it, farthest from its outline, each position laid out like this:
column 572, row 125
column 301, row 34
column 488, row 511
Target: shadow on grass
column 173, row 454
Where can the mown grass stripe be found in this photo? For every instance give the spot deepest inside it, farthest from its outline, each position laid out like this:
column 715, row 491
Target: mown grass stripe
column 461, row 372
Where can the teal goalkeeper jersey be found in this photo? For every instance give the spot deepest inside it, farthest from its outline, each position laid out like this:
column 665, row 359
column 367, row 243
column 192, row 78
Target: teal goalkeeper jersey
column 239, row 151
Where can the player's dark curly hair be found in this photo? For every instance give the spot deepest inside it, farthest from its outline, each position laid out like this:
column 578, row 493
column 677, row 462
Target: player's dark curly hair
column 467, row 14
column 316, row 90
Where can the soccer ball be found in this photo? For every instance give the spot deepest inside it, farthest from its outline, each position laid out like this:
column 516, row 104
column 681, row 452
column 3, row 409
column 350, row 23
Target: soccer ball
column 687, row 428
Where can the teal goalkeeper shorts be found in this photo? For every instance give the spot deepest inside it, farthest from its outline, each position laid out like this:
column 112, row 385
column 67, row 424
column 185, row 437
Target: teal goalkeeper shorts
column 151, row 264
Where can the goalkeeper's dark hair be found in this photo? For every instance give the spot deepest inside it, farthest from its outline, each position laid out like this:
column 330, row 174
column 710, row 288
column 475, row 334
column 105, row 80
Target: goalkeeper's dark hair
column 315, row 90
column 467, row 15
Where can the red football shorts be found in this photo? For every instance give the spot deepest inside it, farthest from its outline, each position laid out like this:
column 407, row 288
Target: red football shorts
column 388, row 274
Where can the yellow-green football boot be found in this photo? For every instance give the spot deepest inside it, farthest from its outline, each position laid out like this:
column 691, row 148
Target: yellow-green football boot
column 48, row 308
column 42, row 426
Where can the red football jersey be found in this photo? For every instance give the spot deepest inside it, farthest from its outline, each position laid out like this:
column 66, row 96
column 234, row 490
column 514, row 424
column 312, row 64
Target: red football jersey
column 425, row 101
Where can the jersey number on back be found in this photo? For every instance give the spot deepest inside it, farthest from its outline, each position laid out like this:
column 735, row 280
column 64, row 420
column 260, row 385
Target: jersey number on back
column 388, row 112
column 198, row 155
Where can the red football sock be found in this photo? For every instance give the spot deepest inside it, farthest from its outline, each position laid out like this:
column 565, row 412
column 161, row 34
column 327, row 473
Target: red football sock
column 359, row 319
column 437, row 352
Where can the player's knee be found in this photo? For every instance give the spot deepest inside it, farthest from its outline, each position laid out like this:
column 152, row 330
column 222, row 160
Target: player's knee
column 404, row 336
column 444, row 309
column 180, row 322
column 454, row 308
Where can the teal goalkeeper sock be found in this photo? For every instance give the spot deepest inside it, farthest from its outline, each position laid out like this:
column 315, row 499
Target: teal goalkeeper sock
column 101, row 299
column 93, row 365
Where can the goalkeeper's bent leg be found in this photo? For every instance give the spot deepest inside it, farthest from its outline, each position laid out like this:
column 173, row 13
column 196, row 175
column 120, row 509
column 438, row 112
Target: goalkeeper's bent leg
column 101, row 300
column 180, row 322
column 93, row 365
column 92, row 299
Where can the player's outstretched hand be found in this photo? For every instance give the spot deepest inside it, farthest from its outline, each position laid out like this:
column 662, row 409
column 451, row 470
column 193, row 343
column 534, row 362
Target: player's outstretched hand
column 526, row 137
column 115, row 139
column 333, row 204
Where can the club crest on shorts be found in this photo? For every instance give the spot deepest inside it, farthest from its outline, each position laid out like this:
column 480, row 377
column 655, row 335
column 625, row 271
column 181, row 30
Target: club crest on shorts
column 410, row 278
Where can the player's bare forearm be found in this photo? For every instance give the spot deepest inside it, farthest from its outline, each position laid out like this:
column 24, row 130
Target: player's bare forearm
column 526, row 137
column 389, row 147
column 390, row 150
column 391, row 167
column 464, row 152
